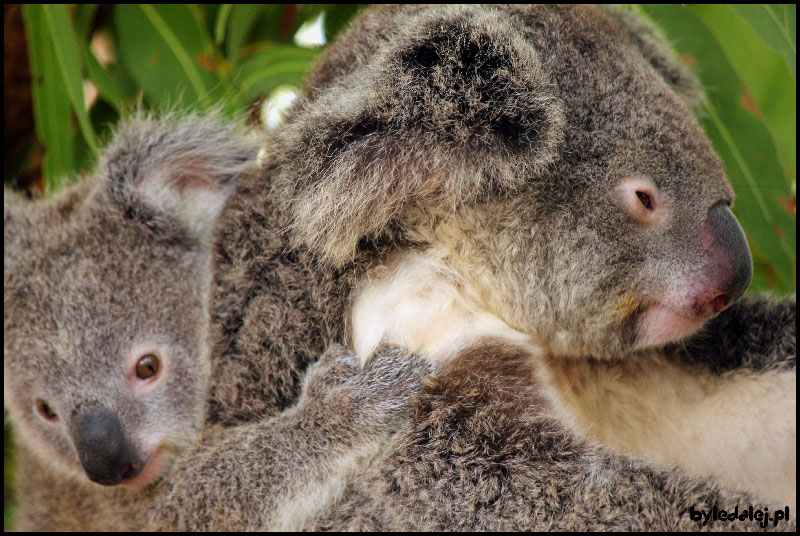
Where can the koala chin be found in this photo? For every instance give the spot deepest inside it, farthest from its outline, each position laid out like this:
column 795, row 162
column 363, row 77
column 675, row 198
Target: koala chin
column 670, row 412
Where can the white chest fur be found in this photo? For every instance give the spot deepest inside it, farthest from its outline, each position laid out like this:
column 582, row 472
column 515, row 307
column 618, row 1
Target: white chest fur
column 418, row 303
column 646, row 405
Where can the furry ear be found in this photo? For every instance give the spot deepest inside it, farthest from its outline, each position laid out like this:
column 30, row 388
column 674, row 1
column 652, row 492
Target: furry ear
column 454, row 106
column 653, row 45
column 177, row 169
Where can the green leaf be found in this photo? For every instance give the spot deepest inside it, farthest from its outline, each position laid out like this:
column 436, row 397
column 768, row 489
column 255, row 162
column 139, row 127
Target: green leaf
column 280, row 22
column 222, row 22
column 51, row 106
column 67, row 57
column 769, row 90
column 744, row 142
column 168, row 52
column 278, row 65
column 242, row 20
column 84, row 16
column 776, row 24
column 108, row 87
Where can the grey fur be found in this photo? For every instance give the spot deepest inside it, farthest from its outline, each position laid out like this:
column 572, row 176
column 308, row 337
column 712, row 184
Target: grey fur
column 143, row 224
column 757, row 333
column 111, row 264
column 401, row 143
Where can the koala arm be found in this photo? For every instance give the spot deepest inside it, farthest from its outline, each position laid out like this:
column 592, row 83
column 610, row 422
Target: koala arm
column 274, row 474
column 757, row 333
column 485, row 449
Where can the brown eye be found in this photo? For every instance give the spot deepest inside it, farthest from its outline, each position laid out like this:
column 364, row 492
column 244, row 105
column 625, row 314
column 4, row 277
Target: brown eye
column 45, row 411
column 147, row 366
column 645, row 200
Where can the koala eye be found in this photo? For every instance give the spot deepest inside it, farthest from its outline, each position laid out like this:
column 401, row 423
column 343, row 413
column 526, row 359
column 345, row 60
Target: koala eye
column 642, row 201
column 147, row 366
column 45, row 411
column 646, row 199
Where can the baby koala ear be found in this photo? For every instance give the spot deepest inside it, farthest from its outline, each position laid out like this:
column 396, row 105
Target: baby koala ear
column 454, row 105
column 178, row 170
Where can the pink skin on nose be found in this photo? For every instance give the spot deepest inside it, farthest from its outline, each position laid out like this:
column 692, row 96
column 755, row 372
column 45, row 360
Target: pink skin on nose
column 676, row 315
column 150, row 473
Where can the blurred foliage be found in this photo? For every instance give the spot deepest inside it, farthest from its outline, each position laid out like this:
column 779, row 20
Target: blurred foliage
column 91, row 62
column 745, row 58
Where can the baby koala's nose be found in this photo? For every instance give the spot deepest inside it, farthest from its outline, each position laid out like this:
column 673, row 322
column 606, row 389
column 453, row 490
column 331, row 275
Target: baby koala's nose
column 106, row 453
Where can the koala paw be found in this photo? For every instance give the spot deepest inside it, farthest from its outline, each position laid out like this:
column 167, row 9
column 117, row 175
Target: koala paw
column 386, row 385
column 335, row 367
column 373, row 398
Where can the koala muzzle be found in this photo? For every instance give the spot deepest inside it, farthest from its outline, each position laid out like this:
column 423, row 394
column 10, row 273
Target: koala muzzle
column 106, row 454
column 731, row 266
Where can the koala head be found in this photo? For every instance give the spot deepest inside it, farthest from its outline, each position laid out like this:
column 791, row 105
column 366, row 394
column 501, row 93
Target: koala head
column 551, row 154
column 105, row 289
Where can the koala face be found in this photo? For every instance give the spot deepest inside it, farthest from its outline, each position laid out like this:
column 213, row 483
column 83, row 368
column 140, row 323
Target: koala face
column 106, row 286
column 550, row 151
column 627, row 240
column 105, row 354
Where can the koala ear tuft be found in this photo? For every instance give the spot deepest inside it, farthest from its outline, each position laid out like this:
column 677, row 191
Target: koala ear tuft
column 178, row 169
column 454, row 107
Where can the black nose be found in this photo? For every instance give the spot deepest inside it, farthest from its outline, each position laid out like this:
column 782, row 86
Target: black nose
column 106, row 453
column 731, row 246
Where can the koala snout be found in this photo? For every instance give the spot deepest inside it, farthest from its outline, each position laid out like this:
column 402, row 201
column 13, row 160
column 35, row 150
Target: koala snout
column 731, row 267
column 106, row 453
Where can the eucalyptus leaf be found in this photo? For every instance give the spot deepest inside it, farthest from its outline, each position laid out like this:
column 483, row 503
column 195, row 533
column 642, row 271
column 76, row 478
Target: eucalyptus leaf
column 51, row 105
column 769, row 90
column 777, row 26
column 65, row 46
column 168, row 52
column 276, row 66
column 243, row 18
column 107, row 86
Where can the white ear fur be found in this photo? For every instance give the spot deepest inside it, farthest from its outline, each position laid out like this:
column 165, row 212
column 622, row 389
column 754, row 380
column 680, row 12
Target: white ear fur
column 180, row 168
column 188, row 195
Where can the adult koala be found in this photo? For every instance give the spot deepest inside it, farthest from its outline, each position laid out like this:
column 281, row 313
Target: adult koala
column 460, row 147
column 532, row 174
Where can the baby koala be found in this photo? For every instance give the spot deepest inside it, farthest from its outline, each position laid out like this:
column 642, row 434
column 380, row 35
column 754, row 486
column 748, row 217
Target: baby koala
column 106, row 348
column 105, row 299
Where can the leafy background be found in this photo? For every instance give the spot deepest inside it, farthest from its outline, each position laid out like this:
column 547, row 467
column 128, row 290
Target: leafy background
column 71, row 71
